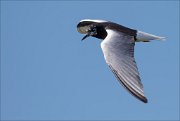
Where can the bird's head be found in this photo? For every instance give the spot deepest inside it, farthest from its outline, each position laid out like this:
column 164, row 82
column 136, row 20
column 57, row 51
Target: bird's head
column 94, row 28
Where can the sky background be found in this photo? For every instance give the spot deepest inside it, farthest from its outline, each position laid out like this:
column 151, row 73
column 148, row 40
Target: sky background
column 47, row 73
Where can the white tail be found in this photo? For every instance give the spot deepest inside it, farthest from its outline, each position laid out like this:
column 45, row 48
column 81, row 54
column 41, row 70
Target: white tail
column 145, row 37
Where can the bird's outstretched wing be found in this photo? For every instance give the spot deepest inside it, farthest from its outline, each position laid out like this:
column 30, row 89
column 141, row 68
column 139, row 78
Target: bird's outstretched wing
column 118, row 49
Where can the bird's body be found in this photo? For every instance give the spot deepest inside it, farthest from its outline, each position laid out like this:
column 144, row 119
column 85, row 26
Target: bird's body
column 118, row 48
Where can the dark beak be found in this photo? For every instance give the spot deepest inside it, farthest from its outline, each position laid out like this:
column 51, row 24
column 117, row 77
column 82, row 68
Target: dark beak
column 87, row 35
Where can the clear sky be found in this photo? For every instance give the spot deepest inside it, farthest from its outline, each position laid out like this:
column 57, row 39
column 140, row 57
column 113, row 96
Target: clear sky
column 48, row 73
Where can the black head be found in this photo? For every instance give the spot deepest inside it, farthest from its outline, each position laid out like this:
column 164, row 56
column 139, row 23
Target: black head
column 92, row 28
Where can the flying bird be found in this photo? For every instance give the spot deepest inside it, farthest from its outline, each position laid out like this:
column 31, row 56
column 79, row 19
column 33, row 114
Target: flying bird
column 118, row 48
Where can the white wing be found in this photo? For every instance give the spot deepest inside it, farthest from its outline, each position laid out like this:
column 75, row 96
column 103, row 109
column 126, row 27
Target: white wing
column 118, row 49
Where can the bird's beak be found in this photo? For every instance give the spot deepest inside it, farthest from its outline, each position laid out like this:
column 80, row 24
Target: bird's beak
column 87, row 35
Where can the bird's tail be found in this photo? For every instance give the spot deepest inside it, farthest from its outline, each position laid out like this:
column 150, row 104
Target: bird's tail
column 145, row 37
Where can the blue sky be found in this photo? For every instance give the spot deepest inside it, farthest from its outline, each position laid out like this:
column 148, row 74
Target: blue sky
column 48, row 73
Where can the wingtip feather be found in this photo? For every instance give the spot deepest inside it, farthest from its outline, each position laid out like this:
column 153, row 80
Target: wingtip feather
column 145, row 100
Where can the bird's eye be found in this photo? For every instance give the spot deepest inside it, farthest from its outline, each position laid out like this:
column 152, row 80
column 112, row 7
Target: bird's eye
column 94, row 29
